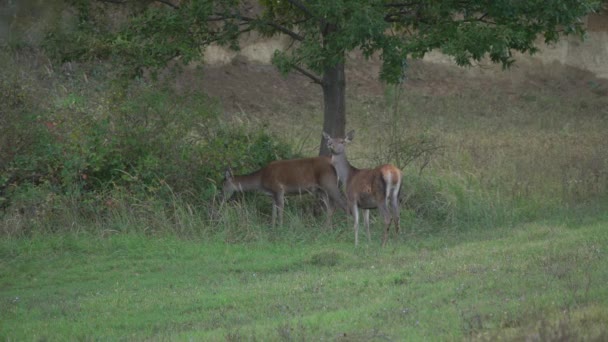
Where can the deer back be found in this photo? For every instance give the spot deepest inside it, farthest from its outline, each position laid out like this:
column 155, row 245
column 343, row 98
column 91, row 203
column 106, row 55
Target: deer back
column 299, row 174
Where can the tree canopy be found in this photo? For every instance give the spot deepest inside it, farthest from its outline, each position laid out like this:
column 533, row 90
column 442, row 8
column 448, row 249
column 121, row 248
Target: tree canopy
column 149, row 33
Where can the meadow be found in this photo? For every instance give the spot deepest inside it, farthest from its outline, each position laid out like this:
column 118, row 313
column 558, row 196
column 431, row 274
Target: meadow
column 538, row 281
column 111, row 229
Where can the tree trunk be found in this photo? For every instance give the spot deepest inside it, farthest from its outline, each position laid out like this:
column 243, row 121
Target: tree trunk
column 334, row 100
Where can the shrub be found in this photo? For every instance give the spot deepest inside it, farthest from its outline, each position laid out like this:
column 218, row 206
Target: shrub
column 147, row 142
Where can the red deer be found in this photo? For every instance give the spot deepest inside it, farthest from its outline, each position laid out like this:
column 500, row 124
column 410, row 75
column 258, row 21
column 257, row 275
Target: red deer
column 367, row 188
column 293, row 176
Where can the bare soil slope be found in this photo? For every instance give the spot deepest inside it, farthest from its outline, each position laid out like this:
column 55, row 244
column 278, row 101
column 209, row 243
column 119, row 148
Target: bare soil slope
column 260, row 90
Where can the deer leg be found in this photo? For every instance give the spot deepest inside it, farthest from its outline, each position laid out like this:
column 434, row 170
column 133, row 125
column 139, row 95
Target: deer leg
column 329, row 206
column 387, row 222
column 281, row 207
column 366, row 220
column 335, row 196
column 278, row 203
column 355, row 211
column 274, row 211
column 396, row 215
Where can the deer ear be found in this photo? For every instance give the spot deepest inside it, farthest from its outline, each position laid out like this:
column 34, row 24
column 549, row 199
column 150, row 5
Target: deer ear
column 349, row 136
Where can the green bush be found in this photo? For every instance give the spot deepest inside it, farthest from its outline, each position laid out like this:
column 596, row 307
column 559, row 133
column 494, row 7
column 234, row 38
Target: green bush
column 143, row 142
column 27, row 152
column 160, row 137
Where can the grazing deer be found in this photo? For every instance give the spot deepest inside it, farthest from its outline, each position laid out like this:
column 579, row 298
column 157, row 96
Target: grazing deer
column 290, row 177
column 367, row 188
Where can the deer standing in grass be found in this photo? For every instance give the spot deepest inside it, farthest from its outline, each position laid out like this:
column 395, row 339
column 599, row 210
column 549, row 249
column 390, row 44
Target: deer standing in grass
column 367, row 188
column 293, row 176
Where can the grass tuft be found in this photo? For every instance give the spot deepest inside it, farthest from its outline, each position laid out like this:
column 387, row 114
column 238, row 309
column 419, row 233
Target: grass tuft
column 326, row 258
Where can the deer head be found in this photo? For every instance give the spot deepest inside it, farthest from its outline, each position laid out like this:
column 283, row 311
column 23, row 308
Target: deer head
column 337, row 145
column 228, row 185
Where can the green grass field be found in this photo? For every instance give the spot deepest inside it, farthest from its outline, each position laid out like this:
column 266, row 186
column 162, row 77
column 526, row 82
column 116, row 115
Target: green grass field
column 538, row 281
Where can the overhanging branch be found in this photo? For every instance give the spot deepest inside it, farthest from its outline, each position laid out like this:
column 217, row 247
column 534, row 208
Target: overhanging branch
column 166, row 2
column 299, row 5
column 114, row 1
column 276, row 26
column 316, row 79
column 120, row 2
column 285, row 30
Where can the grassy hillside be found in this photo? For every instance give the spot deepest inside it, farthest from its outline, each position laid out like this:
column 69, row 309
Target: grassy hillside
column 493, row 147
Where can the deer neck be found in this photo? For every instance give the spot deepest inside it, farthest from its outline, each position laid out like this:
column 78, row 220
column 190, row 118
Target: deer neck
column 343, row 167
column 247, row 182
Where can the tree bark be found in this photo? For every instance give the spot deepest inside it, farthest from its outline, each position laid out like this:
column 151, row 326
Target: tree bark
column 334, row 104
